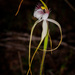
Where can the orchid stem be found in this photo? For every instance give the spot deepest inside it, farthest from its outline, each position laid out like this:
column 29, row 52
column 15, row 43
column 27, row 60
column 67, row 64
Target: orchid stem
column 44, row 52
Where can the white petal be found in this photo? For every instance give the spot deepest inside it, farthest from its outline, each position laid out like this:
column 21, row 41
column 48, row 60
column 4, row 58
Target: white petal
column 55, row 22
column 44, row 27
column 38, row 13
column 45, row 16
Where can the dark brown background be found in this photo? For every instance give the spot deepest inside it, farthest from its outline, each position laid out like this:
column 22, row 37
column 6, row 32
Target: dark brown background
column 14, row 38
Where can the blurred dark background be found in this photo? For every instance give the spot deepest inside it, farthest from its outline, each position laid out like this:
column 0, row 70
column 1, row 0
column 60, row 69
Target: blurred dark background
column 15, row 32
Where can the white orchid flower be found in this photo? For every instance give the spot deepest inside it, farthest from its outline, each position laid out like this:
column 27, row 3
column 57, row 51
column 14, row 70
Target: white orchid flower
column 42, row 14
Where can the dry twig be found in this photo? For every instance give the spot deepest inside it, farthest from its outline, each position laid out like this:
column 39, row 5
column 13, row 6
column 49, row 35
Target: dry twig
column 70, row 5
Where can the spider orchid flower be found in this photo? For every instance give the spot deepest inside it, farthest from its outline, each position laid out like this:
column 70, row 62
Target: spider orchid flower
column 41, row 12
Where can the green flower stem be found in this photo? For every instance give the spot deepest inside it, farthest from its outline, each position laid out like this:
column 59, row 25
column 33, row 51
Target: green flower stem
column 44, row 53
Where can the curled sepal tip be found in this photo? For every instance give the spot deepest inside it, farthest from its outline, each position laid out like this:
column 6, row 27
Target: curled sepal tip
column 55, row 22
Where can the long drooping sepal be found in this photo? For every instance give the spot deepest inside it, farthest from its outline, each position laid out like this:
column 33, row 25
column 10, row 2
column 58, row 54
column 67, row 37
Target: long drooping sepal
column 55, row 22
column 36, row 51
column 44, row 33
column 30, row 42
column 33, row 57
column 31, row 36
